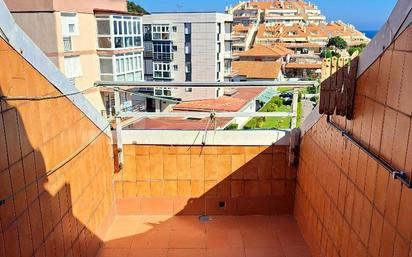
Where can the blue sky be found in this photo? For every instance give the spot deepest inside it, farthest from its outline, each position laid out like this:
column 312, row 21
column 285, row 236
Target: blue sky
column 364, row 14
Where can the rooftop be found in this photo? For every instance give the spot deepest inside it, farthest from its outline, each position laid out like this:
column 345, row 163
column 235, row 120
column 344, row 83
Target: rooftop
column 257, row 69
column 267, row 51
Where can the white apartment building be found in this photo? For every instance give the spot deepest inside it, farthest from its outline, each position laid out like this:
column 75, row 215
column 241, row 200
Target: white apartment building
column 87, row 40
column 187, row 47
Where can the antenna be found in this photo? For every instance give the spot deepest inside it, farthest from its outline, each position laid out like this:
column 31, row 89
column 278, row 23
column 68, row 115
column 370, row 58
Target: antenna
column 179, row 7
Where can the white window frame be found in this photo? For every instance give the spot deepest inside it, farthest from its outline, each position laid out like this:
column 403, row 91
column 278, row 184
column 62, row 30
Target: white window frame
column 67, row 19
column 129, row 64
column 72, row 67
column 162, row 32
column 162, row 67
column 127, row 28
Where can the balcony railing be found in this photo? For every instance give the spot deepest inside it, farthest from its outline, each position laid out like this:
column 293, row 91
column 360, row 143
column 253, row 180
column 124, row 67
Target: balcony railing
column 210, row 116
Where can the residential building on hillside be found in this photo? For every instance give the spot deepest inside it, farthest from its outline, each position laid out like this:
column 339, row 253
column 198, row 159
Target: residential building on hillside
column 301, row 33
column 284, row 12
column 88, row 40
column 239, row 35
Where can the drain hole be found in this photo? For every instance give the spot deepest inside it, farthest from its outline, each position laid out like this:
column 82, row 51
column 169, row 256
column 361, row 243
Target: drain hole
column 222, row 205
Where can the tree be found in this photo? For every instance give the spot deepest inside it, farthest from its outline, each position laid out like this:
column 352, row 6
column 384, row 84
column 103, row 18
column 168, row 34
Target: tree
column 338, row 42
column 326, row 54
column 135, row 8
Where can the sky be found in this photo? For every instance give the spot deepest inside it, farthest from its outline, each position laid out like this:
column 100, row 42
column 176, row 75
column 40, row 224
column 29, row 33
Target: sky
column 364, row 14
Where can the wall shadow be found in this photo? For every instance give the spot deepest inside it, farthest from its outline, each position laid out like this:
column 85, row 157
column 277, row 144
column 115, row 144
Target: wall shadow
column 43, row 212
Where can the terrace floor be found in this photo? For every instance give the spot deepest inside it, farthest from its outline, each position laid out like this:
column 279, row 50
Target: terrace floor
column 186, row 236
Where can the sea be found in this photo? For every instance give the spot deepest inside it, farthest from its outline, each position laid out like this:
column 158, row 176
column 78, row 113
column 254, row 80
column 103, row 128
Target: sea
column 370, row 33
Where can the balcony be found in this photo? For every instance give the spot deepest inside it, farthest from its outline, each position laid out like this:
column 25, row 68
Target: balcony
column 162, row 56
column 117, row 32
column 342, row 187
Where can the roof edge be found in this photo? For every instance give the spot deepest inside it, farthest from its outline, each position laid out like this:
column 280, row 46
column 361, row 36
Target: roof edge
column 22, row 43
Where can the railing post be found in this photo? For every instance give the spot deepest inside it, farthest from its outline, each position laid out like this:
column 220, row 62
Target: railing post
column 295, row 103
column 118, row 109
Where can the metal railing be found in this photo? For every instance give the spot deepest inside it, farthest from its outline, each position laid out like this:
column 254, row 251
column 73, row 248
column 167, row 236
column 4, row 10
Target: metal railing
column 120, row 114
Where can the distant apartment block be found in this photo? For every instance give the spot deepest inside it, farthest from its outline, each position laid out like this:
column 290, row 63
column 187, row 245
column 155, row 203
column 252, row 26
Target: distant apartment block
column 87, row 40
column 186, row 47
column 309, row 33
column 284, row 12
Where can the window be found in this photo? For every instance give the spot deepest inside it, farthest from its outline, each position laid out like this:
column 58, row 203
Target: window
column 161, row 70
column 188, row 28
column 175, row 67
column 166, row 91
column 188, row 67
column 188, row 89
column 188, row 47
column 174, row 48
column 122, row 67
column 124, row 31
column 160, row 32
column 174, row 29
column 70, row 24
column 72, row 67
column 162, row 51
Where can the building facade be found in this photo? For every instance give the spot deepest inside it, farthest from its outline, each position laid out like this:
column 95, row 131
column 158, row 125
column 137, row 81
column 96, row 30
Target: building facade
column 88, row 40
column 272, row 12
column 185, row 47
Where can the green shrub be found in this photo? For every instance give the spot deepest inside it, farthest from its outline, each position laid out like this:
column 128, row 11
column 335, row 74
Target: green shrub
column 337, row 42
column 232, row 126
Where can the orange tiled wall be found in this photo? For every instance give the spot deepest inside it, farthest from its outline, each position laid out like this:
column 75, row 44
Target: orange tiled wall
column 190, row 180
column 347, row 204
column 57, row 215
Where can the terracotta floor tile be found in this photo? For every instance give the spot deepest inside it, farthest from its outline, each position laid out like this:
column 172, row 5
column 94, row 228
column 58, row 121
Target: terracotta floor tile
column 155, row 239
column 187, row 239
column 118, row 243
column 225, row 252
column 113, row 253
column 247, row 222
column 298, row 251
column 289, row 238
column 186, row 223
column 186, row 236
column 186, row 253
column 222, row 222
column 285, row 222
column 224, row 238
column 264, row 252
column 260, row 238
column 148, row 253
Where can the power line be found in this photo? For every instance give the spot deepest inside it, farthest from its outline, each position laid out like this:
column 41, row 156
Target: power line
column 41, row 98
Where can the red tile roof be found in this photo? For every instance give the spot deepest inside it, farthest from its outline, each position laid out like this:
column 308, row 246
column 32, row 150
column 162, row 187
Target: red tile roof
column 257, row 69
column 268, row 51
column 232, row 103
column 223, row 104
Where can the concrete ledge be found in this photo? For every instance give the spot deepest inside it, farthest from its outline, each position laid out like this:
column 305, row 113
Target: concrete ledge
column 192, row 137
